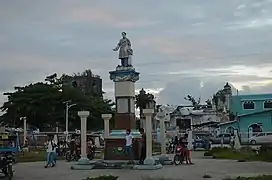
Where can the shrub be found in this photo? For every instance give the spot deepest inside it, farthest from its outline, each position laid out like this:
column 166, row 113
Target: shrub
column 155, row 178
column 208, row 153
column 109, row 177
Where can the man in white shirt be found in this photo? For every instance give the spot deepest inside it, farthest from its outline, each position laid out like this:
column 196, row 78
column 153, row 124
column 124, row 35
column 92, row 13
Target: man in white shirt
column 128, row 146
column 51, row 150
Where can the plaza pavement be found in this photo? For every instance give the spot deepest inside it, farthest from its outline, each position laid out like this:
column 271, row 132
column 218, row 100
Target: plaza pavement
column 218, row 169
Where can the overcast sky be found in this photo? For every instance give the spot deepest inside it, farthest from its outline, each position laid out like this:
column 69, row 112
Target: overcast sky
column 180, row 46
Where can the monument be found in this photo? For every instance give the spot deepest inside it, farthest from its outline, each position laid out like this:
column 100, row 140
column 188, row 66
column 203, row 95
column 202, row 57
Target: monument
column 124, row 78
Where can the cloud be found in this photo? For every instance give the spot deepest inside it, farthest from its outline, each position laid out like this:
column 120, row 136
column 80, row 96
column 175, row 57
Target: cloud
column 106, row 17
column 174, row 92
column 178, row 46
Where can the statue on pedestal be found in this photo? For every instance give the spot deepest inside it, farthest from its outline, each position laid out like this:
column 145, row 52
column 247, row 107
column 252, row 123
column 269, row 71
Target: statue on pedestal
column 125, row 50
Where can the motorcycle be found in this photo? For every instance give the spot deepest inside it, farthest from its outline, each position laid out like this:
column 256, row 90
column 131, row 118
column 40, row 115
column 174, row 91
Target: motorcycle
column 91, row 152
column 171, row 147
column 69, row 156
column 76, row 156
column 179, row 155
column 6, row 163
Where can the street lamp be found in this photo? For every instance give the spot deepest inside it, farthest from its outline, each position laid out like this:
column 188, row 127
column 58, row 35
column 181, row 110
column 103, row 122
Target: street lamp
column 68, row 106
column 25, row 129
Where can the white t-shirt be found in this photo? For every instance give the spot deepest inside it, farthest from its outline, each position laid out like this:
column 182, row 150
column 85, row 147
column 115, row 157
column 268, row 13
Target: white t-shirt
column 50, row 145
column 129, row 139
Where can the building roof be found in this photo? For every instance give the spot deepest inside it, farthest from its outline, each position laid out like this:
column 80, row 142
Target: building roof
column 253, row 113
column 228, row 122
column 252, row 96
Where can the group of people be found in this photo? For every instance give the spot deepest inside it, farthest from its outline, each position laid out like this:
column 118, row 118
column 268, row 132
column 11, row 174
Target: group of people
column 129, row 140
column 181, row 142
column 54, row 148
column 129, row 145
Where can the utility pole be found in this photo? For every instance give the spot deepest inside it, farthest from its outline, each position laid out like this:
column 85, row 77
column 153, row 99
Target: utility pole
column 67, row 107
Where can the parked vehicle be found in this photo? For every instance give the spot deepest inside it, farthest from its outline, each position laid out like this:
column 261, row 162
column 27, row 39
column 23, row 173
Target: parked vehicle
column 261, row 138
column 217, row 139
column 76, row 156
column 8, row 146
column 171, row 147
column 201, row 142
column 179, row 155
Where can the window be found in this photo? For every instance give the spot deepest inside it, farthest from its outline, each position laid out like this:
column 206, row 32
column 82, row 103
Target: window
column 261, row 134
column 249, row 105
column 267, row 104
column 268, row 134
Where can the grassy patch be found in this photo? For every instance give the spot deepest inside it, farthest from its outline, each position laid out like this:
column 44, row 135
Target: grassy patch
column 264, row 177
column 245, row 154
column 35, row 156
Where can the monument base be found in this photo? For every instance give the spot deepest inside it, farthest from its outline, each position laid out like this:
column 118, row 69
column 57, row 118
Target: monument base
column 165, row 160
column 114, row 145
column 149, row 164
column 114, row 149
column 83, row 164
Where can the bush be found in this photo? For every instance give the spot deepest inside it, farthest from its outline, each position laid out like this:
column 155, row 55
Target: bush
column 264, row 177
column 109, row 177
column 155, row 178
column 212, row 151
column 208, row 153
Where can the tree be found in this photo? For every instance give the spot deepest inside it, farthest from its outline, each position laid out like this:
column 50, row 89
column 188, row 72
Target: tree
column 208, row 103
column 215, row 100
column 195, row 103
column 42, row 105
column 143, row 99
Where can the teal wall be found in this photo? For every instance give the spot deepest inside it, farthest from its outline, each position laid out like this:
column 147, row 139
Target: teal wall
column 236, row 105
column 224, row 127
column 264, row 118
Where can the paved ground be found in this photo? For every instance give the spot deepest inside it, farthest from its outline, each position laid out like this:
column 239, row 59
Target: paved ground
column 218, row 169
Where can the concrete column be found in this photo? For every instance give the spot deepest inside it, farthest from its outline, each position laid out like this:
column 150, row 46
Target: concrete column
column 162, row 133
column 106, row 118
column 148, row 121
column 25, row 130
column 83, row 132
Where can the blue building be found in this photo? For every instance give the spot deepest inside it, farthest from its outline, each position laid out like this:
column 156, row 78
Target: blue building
column 253, row 114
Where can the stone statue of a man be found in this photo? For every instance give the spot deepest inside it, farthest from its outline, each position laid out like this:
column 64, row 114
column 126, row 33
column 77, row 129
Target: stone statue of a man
column 125, row 50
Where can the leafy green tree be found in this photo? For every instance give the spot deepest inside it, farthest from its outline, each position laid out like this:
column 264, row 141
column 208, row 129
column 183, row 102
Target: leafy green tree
column 42, row 105
column 143, row 99
column 195, row 103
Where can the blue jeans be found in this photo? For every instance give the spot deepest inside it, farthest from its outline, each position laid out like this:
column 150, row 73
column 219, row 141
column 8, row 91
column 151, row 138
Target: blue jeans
column 128, row 152
column 50, row 160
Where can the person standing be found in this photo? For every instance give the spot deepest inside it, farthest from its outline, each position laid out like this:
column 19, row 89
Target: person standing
column 184, row 143
column 143, row 146
column 51, row 149
column 128, row 146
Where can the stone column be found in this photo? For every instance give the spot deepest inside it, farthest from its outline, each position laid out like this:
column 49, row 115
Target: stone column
column 106, row 118
column 83, row 132
column 148, row 121
column 163, row 158
column 162, row 134
column 25, row 130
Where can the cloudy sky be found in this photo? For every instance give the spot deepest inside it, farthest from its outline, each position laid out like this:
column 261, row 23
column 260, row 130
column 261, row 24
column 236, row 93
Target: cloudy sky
column 181, row 46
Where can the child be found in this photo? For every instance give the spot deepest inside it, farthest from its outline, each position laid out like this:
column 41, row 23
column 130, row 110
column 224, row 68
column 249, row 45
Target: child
column 128, row 146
